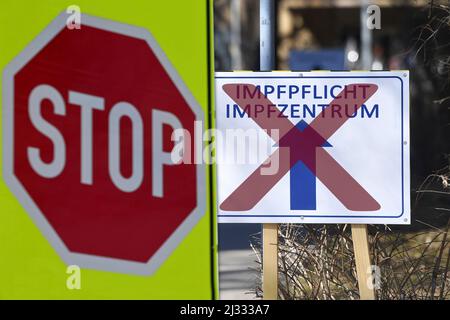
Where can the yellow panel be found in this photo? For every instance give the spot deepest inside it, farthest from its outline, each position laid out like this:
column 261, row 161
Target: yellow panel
column 29, row 267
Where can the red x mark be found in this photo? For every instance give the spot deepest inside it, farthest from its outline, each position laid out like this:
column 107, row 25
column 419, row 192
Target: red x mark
column 296, row 145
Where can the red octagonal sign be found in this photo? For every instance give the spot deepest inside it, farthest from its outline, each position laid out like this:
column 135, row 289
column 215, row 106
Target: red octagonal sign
column 88, row 117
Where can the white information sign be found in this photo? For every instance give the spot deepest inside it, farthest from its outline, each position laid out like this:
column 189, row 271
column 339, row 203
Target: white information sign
column 313, row 147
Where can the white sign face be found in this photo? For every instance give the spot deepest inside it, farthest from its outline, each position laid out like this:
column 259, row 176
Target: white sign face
column 313, row 147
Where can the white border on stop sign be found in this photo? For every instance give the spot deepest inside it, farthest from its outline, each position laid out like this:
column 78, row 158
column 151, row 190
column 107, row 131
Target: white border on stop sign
column 85, row 260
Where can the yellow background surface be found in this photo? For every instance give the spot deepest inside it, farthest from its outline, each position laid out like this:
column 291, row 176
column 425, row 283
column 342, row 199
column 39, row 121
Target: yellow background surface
column 29, row 267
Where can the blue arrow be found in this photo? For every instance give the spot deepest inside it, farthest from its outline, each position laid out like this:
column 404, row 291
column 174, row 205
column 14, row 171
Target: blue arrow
column 303, row 182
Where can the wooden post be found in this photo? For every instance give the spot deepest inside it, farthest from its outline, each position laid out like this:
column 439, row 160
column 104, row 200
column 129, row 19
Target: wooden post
column 362, row 260
column 270, row 261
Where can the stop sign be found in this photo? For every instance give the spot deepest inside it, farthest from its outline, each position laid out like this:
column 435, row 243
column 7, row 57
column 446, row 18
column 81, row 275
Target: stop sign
column 88, row 117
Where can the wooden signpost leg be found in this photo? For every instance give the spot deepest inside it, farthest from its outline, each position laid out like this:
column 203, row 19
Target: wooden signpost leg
column 362, row 259
column 270, row 261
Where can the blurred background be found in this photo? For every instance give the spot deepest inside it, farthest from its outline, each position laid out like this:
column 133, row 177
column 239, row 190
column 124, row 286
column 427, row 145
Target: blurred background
column 332, row 35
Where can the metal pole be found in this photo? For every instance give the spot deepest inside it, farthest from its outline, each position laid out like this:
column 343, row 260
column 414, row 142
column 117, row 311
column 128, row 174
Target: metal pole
column 267, row 35
column 366, row 38
column 235, row 23
column 270, row 231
